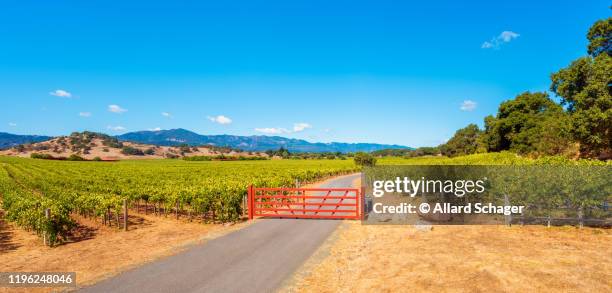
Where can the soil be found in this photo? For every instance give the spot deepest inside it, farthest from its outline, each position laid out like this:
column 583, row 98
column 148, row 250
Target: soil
column 360, row 258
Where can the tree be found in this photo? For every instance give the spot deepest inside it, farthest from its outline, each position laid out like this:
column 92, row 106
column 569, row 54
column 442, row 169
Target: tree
column 365, row 159
column 599, row 36
column 466, row 141
column 521, row 124
column 585, row 87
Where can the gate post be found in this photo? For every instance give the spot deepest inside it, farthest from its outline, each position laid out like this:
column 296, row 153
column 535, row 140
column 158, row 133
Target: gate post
column 251, row 202
column 362, row 202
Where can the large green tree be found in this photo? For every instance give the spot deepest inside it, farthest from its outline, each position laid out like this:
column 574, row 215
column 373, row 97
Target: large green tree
column 585, row 87
column 466, row 141
column 529, row 123
column 600, row 36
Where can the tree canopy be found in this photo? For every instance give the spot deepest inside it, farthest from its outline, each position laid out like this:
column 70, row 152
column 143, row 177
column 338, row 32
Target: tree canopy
column 522, row 123
column 585, row 87
column 466, row 141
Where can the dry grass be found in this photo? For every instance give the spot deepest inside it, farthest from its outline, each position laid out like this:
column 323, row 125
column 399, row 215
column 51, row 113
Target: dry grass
column 100, row 251
column 361, row 258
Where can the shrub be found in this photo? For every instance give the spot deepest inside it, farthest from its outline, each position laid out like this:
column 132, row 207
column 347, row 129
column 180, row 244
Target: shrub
column 74, row 157
column 41, row 156
column 128, row 150
column 365, row 159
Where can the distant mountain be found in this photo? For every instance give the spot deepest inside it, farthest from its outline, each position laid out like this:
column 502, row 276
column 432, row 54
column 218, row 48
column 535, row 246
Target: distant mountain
column 248, row 143
column 8, row 140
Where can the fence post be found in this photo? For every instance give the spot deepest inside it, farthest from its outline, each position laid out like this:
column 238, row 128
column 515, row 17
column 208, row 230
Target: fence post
column 581, row 217
column 125, row 215
column 251, row 202
column 508, row 217
column 45, row 236
column 362, row 202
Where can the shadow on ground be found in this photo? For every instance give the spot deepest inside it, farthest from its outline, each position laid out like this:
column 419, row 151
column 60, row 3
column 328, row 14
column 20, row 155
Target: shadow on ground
column 6, row 236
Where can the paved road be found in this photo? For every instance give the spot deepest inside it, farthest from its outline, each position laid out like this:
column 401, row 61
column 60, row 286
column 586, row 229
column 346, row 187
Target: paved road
column 257, row 258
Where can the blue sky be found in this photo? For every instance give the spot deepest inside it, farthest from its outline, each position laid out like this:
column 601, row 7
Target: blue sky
column 351, row 71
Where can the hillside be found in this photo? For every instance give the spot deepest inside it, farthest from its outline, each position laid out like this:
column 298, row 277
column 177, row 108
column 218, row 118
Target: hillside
column 90, row 145
column 248, row 143
column 8, row 140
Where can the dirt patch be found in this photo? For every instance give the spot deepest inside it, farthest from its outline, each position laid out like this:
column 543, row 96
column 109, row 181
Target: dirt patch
column 96, row 252
column 362, row 258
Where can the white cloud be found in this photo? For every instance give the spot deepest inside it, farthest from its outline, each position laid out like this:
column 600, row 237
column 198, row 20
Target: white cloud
column 508, row 36
column 487, row 45
column 116, row 109
column 85, row 114
column 116, row 128
column 272, row 130
column 298, row 127
column 503, row 37
column 61, row 93
column 166, row 114
column 468, row 105
column 155, row 129
column 220, row 119
column 12, row 124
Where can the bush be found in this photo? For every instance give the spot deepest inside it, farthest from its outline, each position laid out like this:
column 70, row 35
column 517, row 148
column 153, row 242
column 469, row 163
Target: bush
column 74, row 157
column 149, row 151
column 127, row 150
column 97, row 159
column 41, row 156
column 365, row 159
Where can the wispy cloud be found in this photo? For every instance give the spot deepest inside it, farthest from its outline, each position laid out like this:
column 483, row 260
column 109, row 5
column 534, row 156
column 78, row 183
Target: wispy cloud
column 116, row 128
column 61, row 93
column 299, row 127
column 155, row 129
column 12, row 124
column 468, row 105
column 272, row 130
column 220, row 119
column 85, row 114
column 166, row 114
column 502, row 38
column 116, row 109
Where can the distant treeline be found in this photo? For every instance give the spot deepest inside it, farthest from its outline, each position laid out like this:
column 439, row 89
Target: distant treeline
column 224, row 158
column 286, row 154
column 59, row 158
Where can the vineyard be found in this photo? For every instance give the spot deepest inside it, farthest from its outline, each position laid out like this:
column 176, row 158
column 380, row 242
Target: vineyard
column 211, row 191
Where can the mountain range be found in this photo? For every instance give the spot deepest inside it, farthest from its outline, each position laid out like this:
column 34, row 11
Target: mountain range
column 8, row 140
column 181, row 136
column 248, row 143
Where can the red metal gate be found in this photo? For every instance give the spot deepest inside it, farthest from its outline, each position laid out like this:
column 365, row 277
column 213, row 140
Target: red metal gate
column 304, row 203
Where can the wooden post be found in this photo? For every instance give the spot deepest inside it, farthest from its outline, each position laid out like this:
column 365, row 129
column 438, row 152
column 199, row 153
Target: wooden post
column 508, row 217
column 125, row 215
column 176, row 212
column 108, row 216
column 580, row 217
column 46, row 238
